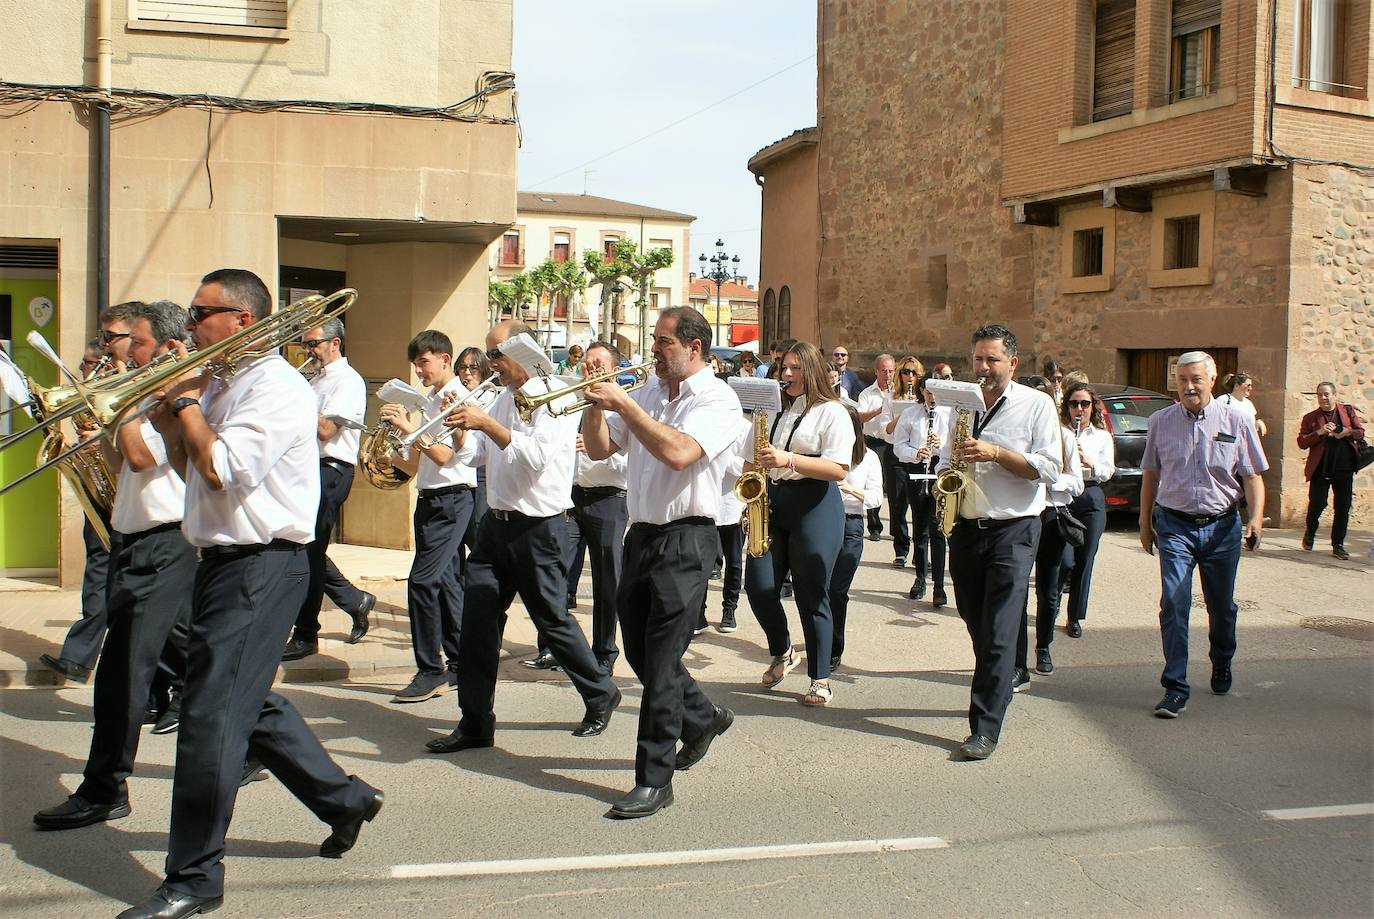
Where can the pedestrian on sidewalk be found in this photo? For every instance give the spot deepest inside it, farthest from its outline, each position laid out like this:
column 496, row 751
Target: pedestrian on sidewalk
column 1329, row 434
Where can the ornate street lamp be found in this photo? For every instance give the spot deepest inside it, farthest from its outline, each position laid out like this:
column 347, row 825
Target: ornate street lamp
column 723, row 268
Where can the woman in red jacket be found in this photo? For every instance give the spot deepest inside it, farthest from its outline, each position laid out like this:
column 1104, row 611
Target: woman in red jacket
column 1328, row 434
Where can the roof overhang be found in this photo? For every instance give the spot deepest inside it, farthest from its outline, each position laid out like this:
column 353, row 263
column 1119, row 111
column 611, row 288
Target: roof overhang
column 792, row 143
column 354, row 231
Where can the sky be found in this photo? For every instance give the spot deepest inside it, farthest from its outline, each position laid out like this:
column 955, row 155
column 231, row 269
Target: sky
column 593, row 77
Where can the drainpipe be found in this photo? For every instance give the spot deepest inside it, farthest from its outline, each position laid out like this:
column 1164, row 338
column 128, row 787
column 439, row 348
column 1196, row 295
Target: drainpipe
column 104, row 54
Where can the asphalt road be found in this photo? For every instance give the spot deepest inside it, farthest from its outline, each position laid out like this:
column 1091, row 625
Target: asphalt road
column 1090, row 807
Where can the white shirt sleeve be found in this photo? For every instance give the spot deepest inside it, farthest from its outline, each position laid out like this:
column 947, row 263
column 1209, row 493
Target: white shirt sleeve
column 902, row 444
column 257, row 435
column 1045, row 455
column 873, row 484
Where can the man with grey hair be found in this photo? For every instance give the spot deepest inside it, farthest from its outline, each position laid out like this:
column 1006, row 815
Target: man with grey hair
column 1200, row 456
column 875, row 411
column 340, row 393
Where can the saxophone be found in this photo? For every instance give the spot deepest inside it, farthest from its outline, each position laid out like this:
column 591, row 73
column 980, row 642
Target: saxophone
column 752, row 488
column 951, row 484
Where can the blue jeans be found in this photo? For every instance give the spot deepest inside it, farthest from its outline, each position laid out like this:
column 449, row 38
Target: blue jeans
column 1214, row 549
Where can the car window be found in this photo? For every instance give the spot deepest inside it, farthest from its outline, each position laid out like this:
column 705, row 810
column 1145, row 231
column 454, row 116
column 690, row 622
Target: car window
column 1132, row 415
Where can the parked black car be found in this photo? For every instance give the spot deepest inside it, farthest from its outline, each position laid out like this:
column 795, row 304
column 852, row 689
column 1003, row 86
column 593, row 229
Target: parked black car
column 1127, row 411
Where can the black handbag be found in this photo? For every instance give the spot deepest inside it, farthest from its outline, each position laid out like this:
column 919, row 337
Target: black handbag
column 1364, row 454
column 1072, row 530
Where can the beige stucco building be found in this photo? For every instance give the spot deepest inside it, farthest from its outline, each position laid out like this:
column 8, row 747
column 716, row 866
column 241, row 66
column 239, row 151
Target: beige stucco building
column 1117, row 181
column 393, row 178
column 561, row 227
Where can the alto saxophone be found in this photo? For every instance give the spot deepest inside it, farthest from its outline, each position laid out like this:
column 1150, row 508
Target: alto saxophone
column 951, row 484
column 752, row 488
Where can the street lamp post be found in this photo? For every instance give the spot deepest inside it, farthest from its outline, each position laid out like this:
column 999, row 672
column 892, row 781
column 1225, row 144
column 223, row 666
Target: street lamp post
column 723, row 268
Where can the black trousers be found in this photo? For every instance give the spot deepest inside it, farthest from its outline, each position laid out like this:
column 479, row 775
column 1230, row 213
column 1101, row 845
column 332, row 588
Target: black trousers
column 434, row 594
column 875, row 514
column 335, row 483
column 842, row 576
column 894, row 486
column 600, row 518
column 1091, row 508
column 1342, row 485
column 479, row 510
column 731, row 537
column 666, row 573
column 525, row 556
column 806, row 523
column 242, row 611
column 149, row 605
column 991, row 569
column 928, row 544
column 82, row 645
column 1052, row 556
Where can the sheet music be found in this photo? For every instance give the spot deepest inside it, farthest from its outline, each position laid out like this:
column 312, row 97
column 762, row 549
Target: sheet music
column 757, row 393
column 957, row 394
column 403, row 394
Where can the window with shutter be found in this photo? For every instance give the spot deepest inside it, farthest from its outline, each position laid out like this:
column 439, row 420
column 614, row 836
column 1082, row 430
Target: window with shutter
column 268, row 14
column 1320, row 46
column 1196, row 29
column 1113, row 58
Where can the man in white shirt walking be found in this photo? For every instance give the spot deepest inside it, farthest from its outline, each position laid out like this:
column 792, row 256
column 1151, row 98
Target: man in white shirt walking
column 247, row 448
column 678, row 432
column 521, row 549
column 339, row 393
column 875, row 411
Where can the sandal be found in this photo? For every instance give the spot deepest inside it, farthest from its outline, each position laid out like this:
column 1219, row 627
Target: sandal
column 820, row 693
column 782, row 665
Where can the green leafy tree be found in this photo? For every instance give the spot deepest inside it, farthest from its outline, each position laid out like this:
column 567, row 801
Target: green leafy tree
column 571, row 282
column 522, row 291
column 643, row 267
column 500, row 298
column 544, row 283
column 607, row 272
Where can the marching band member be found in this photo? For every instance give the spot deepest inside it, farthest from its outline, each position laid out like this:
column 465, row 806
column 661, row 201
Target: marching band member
column 875, row 411
column 443, row 505
column 919, row 432
column 340, row 392
column 810, row 450
column 521, row 549
column 473, row 370
column 1013, row 450
column 861, row 489
column 677, row 432
column 1097, row 452
column 251, row 467
column 148, row 599
column 729, row 532
column 904, row 394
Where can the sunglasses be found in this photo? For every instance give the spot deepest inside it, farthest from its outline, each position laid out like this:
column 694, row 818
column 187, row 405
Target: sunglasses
column 1078, row 403
column 839, row 354
column 494, row 353
column 314, row 342
column 198, row 313
column 111, row 337
column 907, row 372
column 1058, row 379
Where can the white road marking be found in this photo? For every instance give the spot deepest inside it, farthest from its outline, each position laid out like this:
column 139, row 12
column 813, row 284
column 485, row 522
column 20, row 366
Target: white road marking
column 1318, row 813
column 661, row 859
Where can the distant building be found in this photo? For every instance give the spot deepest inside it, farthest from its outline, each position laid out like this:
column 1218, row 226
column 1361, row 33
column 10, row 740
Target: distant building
column 789, row 247
column 738, row 320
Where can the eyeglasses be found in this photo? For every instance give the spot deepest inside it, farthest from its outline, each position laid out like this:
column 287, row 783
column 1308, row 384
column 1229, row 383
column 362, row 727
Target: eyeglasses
column 198, row 313
column 905, row 371
column 314, row 342
column 1058, row 379
column 1078, row 403
column 112, row 337
column 470, row 368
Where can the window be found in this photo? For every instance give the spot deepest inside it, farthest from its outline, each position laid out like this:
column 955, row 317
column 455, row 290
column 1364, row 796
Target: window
column 608, row 241
column 510, row 248
column 653, row 302
column 1087, row 252
column 937, row 283
column 560, row 306
column 1182, row 237
column 1113, row 58
column 769, row 333
column 269, row 14
column 784, row 312
column 562, row 247
column 661, row 244
column 1320, row 46
column 1196, row 31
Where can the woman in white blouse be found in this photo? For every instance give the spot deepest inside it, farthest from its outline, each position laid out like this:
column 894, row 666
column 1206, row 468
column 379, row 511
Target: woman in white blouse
column 810, row 449
column 861, row 490
column 1082, row 412
column 1239, row 387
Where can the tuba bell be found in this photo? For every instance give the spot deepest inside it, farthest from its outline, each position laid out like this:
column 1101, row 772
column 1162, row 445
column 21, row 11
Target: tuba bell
column 375, row 452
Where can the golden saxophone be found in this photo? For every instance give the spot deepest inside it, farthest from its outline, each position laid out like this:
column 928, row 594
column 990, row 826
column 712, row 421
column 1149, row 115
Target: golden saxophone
column 953, row 482
column 752, row 488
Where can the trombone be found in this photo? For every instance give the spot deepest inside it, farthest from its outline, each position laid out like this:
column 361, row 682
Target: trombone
column 527, row 405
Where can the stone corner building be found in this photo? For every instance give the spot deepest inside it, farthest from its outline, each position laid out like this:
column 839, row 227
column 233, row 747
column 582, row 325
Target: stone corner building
column 1118, row 181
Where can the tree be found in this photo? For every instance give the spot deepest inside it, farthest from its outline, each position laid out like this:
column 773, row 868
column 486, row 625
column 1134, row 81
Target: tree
column 643, row 266
column 522, row 290
column 543, row 283
column 607, row 272
column 500, row 298
column 571, row 282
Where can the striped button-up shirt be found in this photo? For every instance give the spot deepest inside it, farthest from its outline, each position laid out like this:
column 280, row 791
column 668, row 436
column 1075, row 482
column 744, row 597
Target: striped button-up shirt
column 1201, row 459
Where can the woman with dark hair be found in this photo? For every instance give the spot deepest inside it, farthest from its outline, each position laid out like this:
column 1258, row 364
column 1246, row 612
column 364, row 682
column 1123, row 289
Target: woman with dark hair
column 810, row 449
column 1082, row 413
column 861, row 489
column 1238, row 388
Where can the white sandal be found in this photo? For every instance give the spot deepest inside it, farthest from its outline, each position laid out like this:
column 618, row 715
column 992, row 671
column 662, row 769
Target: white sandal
column 782, row 665
column 820, row 693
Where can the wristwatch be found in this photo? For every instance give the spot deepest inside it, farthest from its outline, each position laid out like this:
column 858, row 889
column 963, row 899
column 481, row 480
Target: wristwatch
column 183, row 402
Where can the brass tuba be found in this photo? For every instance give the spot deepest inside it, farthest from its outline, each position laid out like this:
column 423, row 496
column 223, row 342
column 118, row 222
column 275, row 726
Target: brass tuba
column 752, row 488
column 375, row 452
column 952, row 483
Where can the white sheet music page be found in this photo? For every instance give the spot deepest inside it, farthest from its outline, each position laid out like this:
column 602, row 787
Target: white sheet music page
column 957, row 394
column 757, row 393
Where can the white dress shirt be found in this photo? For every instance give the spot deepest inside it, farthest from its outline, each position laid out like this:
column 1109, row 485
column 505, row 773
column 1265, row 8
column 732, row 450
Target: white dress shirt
column 867, row 477
column 147, row 499
column 872, row 398
column 912, row 428
column 607, row 473
column 1069, row 484
column 456, row 471
column 1028, row 423
column 340, row 390
column 1101, row 452
column 825, row 431
column 732, row 508
column 267, row 457
column 707, row 410
column 534, row 474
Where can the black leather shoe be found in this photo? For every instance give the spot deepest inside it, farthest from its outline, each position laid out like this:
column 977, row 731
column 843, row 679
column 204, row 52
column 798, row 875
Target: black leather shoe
column 1221, row 680
column 345, row 835
column 1340, row 553
column 918, row 590
column 168, row 904
column 457, row 742
column 252, row 772
column 785, row 590
column 169, row 718
column 1307, row 542
column 542, row 661
column 939, row 599
column 693, row 750
column 1020, row 679
column 642, row 802
column 1075, row 629
column 297, row 649
column 874, row 537
column 596, row 719
column 69, row 669
column 76, row 812
column 362, row 619
column 1043, row 662
column 978, row 747
column 899, row 562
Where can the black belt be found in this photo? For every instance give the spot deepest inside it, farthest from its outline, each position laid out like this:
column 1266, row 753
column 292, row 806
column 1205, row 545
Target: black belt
column 229, row 553
column 446, row 490
column 517, row 517
column 600, row 491
column 336, row 463
column 853, row 516
column 679, row 522
column 990, row 523
column 872, row 441
column 1198, row 520
column 151, row 531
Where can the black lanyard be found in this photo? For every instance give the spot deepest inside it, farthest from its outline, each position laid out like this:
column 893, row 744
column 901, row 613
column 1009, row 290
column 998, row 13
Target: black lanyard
column 791, row 434
column 981, row 422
